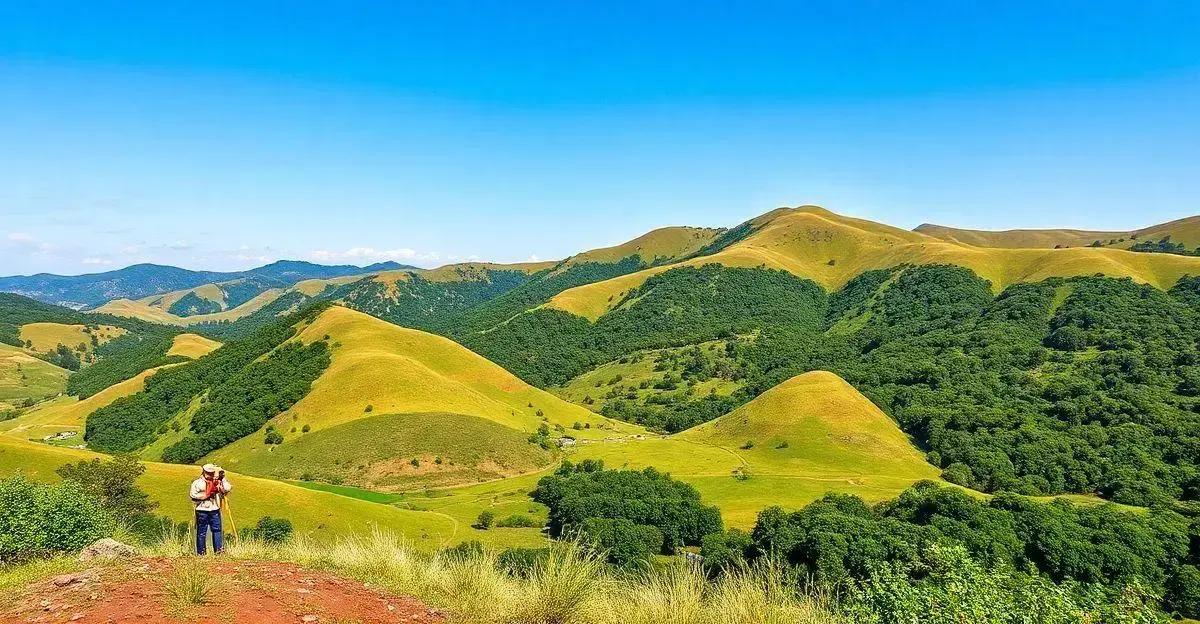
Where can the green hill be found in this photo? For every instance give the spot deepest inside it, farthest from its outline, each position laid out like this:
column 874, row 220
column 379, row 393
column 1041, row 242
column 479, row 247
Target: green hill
column 391, row 395
column 831, row 249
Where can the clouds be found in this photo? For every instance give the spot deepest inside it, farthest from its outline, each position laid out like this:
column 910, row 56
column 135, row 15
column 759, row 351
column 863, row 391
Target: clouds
column 370, row 255
column 24, row 242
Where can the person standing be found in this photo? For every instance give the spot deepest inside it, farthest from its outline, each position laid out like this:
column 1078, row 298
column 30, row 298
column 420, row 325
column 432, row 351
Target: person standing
column 207, row 493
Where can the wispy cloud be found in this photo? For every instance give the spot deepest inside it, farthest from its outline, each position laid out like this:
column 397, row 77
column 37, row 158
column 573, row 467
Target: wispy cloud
column 97, row 261
column 360, row 255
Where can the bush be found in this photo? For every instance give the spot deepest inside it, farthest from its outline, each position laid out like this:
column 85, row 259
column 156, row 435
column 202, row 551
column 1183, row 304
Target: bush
column 626, row 544
column 113, row 484
column 485, row 520
column 518, row 521
column 38, row 520
column 272, row 530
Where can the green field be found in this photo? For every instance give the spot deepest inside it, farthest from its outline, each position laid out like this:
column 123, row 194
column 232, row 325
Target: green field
column 23, row 376
column 378, row 452
column 321, row 515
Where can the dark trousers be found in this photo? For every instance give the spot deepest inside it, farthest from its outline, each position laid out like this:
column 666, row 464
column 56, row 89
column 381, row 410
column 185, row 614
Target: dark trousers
column 206, row 520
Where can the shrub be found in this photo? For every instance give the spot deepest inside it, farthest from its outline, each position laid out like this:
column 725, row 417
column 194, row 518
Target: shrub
column 38, row 520
column 485, row 520
column 272, row 530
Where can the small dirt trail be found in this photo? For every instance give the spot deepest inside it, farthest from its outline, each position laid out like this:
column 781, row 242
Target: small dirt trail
column 250, row 592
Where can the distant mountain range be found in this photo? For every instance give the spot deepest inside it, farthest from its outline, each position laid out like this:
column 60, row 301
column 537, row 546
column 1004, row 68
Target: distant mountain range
column 142, row 280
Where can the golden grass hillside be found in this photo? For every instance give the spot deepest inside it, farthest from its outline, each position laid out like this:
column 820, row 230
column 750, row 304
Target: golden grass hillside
column 192, row 346
column 1185, row 231
column 831, row 249
column 420, row 382
column 23, row 376
column 811, row 434
column 663, row 244
column 47, row 336
column 68, row 413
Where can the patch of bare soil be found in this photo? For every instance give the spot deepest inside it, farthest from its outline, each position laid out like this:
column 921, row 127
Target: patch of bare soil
column 251, row 592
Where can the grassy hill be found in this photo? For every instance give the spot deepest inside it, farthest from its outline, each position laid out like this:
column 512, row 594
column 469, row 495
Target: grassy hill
column 654, row 247
column 44, row 337
column 68, row 413
column 831, row 249
column 436, row 398
column 323, row 516
column 23, row 376
column 809, row 435
column 192, row 346
column 1185, row 231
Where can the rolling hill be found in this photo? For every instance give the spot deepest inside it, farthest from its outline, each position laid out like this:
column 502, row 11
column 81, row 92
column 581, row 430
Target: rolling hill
column 68, row 413
column 23, row 376
column 811, row 434
column 831, row 249
column 416, row 396
column 1185, row 231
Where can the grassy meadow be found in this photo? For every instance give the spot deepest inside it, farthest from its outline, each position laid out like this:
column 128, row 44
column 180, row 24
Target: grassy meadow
column 47, row 336
column 23, row 376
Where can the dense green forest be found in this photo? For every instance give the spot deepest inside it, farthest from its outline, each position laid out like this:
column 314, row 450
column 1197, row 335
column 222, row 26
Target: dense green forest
column 119, row 359
column 631, row 515
column 422, row 303
column 242, row 390
column 1066, row 385
column 676, row 308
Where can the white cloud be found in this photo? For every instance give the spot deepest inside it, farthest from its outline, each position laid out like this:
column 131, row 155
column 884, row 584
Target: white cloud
column 101, row 261
column 28, row 242
column 534, row 258
column 20, row 237
column 179, row 245
column 368, row 255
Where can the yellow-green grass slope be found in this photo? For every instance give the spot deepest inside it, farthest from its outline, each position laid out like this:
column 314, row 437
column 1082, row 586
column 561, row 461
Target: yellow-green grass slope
column 438, row 399
column 663, row 244
column 1185, row 231
column 832, row 249
column 68, row 413
column 637, row 374
column 192, row 346
column 811, row 434
column 323, row 516
column 46, row 337
column 23, row 376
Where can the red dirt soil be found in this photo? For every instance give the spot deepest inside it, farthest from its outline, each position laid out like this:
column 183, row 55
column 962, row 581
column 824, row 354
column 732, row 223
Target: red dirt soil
column 252, row 592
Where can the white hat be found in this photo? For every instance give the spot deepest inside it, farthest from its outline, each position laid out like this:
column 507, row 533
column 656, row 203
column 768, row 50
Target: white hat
column 210, row 468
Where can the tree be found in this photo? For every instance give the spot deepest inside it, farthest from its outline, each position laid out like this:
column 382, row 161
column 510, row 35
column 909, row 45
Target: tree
column 114, row 484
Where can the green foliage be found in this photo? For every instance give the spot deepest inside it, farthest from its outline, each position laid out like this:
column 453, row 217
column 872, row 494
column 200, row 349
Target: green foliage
column 113, row 483
column 518, row 521
column 624, row 543
column 577, row 493
column 485, row 520
column 272, row 530
column 950, row 587
column 839, row 539
column 421, row 303
column 678, row 307
column 192, row 304
column 246, row 401
column 130, row 423
column 38, row 520
column 119, row 359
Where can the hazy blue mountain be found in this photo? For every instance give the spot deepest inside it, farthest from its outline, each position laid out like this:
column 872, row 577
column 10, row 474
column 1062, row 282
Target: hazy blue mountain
column 143, row 280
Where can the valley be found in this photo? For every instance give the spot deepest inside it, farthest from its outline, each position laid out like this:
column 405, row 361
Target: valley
column 787, row 363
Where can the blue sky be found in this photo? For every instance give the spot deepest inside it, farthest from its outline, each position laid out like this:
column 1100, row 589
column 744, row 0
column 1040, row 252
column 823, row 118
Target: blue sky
column 224, row 135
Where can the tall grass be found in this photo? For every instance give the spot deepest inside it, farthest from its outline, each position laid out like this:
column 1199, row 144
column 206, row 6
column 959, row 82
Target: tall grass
column 570, row 586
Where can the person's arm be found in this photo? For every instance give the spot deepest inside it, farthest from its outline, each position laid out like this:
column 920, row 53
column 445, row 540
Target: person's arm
column 225, row 486
column 198, row 490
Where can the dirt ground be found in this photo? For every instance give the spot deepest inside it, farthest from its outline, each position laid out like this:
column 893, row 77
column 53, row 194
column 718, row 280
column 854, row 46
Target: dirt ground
column 252, row 592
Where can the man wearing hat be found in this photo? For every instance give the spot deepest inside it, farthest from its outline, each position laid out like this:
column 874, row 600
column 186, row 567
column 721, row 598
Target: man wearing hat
column 207, row 492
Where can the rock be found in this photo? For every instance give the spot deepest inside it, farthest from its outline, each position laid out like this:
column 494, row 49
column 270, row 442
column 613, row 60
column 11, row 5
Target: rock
column 106, row 548
column 309, row 618
column 76, row 617
column 66, row 579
